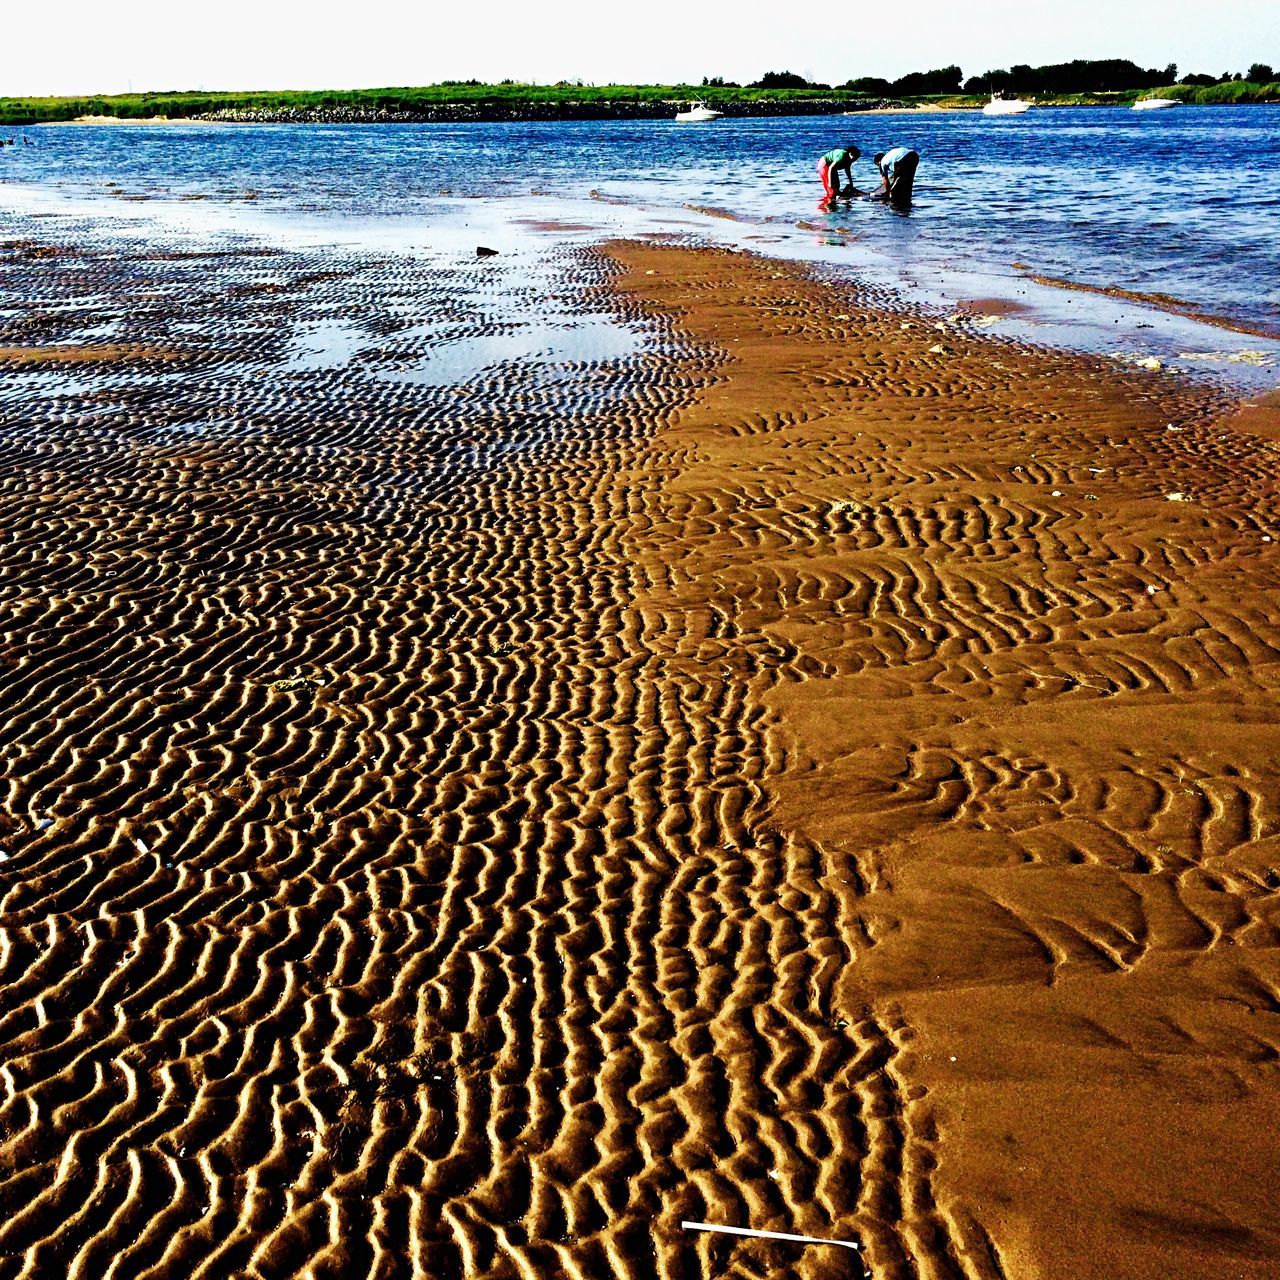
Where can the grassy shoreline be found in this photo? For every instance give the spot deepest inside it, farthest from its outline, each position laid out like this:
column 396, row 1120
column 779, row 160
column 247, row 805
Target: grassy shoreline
column 456, row 102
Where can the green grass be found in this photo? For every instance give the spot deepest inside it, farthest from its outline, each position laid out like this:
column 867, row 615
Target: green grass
column 1232, row 92
column 181, row 105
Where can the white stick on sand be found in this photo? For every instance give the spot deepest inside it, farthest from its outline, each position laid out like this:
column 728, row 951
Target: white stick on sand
column 765, row 1235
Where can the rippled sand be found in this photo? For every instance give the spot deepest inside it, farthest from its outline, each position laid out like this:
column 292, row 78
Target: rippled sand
column 814, row 775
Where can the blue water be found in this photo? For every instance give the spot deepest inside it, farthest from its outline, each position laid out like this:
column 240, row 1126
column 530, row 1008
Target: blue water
column 1184, row 202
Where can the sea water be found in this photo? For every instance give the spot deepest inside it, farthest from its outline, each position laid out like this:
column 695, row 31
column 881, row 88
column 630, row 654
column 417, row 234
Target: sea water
column 1182, row 203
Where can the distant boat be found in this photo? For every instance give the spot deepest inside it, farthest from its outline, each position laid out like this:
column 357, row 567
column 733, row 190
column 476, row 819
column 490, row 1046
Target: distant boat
column 1006, row 106
column 1155, row 104
column 698, row 113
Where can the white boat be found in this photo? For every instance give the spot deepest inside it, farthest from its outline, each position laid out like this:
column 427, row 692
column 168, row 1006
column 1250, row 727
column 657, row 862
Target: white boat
column 1155, row 104
column 698, row 113
column 1006, row 106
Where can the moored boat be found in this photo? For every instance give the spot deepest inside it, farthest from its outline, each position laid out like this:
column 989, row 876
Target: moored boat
column 698, row 113
column 1006, row 106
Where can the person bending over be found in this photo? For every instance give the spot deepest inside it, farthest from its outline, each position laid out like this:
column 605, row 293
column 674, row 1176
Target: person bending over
column 831, row 166
column 898, row 171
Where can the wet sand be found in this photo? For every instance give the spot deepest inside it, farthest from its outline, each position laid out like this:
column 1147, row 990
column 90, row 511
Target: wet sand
column 1161, row 302
column 1015, row 622
column 816, row 776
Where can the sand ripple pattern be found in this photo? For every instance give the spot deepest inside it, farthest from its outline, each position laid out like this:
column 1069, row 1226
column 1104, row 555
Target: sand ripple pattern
column 462, row 830
column 1015, row 620
column 382, row 895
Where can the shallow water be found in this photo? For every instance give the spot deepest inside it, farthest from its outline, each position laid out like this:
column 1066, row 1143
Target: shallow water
column 1180, row 203
column 1183, row 202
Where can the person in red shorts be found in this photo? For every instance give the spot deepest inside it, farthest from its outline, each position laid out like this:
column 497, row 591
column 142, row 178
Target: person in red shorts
column 831, row 166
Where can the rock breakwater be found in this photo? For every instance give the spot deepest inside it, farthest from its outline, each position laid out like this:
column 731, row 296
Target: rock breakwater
column 497, row 112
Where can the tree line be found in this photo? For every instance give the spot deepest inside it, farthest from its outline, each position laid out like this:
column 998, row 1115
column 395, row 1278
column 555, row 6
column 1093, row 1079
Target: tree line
column 1106, row 75
column 777, row 93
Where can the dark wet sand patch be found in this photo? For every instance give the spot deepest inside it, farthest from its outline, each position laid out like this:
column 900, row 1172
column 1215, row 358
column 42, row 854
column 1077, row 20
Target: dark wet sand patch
column 715, row 211
column 551, row 224
column 993, row 307
column 109, row 353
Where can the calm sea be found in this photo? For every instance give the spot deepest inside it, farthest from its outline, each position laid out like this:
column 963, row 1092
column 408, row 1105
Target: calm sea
column 1183, row 203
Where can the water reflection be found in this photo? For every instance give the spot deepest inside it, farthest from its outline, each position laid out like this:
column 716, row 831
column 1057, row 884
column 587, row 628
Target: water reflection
column 1115, row 197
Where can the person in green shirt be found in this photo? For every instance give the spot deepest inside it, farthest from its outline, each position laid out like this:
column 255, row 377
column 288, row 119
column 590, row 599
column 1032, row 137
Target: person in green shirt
column 831, row 165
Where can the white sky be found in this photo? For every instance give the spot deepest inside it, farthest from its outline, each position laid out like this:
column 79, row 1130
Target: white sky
column 87, row 46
